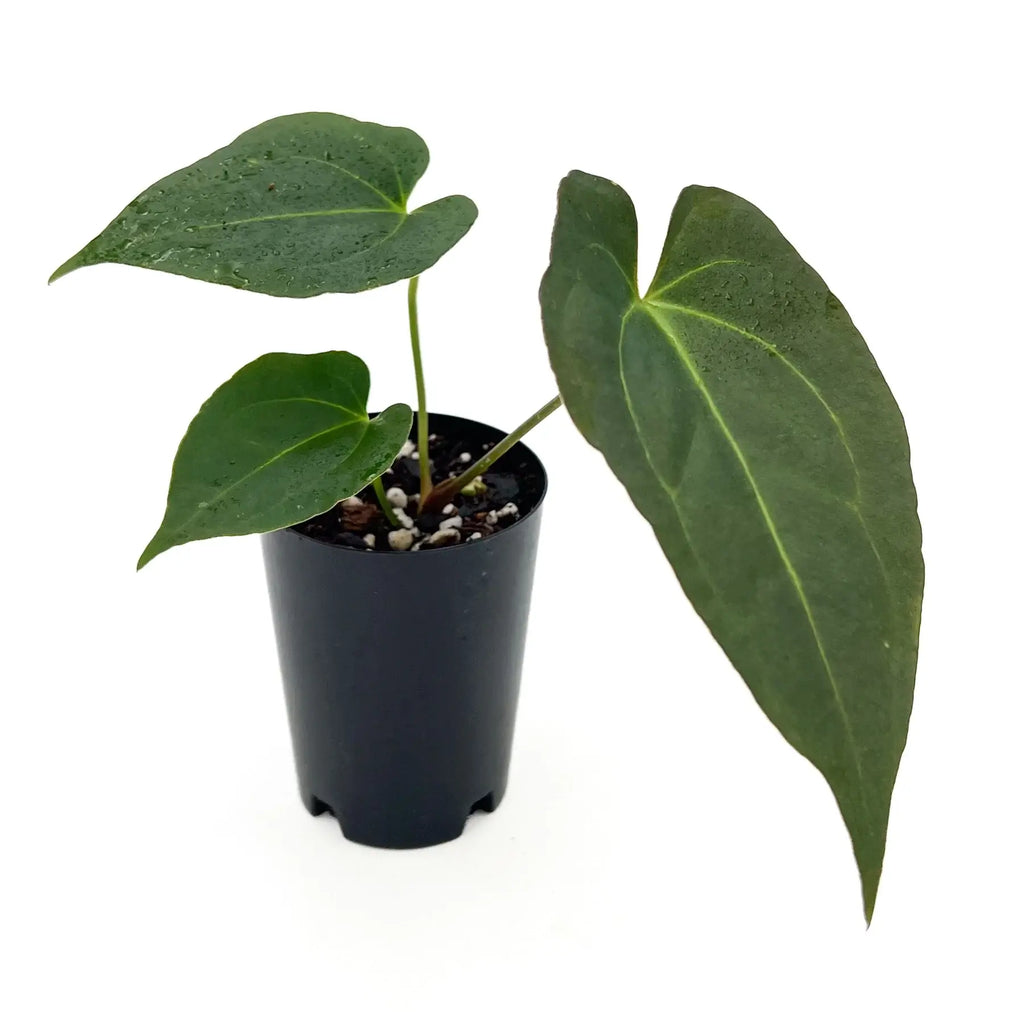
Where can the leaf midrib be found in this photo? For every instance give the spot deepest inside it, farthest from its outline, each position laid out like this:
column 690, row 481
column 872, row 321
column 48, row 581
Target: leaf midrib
column 685, row 357
column 296, row 214
column 395, row 207
column 856, row 504
column 354, row 413
column 269, row 462
column 702, row 388
column 649, row 306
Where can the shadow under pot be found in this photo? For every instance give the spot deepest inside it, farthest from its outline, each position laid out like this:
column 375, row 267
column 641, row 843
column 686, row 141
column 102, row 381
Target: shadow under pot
column 401, row 669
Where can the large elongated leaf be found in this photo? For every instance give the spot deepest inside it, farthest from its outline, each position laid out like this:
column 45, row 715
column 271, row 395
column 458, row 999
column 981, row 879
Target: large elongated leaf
column 286, row 438
column 745, row 415
column 299, row 205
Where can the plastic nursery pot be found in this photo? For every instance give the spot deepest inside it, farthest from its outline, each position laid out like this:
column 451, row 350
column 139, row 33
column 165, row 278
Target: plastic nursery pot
column 401, row 668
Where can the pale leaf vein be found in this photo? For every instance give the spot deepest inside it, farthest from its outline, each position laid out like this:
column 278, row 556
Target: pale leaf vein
column 773, row 531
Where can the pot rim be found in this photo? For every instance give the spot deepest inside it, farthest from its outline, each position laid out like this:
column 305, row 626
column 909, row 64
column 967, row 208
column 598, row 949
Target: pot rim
column 453, row 547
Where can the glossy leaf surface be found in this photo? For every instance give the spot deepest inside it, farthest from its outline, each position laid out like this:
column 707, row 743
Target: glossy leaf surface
column 286, row 438
column 742, row 410
column 299, row 205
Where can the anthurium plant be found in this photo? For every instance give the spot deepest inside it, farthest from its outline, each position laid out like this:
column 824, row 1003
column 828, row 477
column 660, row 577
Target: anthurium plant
column 733, row 398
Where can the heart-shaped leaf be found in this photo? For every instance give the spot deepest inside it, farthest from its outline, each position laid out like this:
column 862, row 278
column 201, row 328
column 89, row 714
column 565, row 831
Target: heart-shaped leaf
column 286, row 438
column 297, row 206
column 752, row 428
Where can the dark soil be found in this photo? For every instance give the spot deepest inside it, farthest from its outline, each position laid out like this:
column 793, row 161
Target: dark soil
column 512, row 479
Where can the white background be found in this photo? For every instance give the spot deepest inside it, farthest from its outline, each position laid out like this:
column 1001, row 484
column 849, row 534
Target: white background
column 661, row 855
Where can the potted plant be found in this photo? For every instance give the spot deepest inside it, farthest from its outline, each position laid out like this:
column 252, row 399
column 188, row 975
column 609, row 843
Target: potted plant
column 733, row 398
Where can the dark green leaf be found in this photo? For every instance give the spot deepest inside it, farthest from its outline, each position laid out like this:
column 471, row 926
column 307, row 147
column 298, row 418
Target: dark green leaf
column 752, row 428
column 299, row 205
column 285, row 439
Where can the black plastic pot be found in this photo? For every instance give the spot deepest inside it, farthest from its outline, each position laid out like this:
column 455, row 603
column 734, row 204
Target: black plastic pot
column 401, row 670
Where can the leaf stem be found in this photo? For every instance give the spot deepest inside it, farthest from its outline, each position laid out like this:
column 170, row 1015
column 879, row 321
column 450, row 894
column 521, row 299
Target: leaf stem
column 422, row 429
column 385, row 505
column 446, row 490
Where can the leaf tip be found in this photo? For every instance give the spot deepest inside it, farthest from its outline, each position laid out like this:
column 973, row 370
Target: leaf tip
column 64, row 268
column 153, row 548
column 869, row 905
